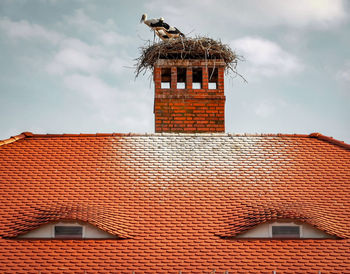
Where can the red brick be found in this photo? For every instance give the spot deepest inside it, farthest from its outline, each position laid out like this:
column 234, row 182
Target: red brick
column 179, row 108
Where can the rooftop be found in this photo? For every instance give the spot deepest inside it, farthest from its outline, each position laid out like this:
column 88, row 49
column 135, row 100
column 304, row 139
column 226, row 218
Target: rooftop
column 175, row 200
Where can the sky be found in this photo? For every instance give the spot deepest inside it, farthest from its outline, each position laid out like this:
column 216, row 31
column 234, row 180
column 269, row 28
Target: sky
column 67, row 66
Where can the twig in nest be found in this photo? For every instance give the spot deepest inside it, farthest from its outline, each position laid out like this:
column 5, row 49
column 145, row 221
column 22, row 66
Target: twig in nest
column 186, row 48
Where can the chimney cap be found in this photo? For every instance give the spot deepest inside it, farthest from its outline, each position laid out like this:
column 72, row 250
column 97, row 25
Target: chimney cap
column 190, row 63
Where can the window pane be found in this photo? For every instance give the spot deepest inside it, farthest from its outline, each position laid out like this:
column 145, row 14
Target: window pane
column 68, row 232
column 213, row 75
column 197, row 78
column 196, row 85
column 285, row 231
column 213, row 78
column 181, row 85
column 166, row 78
column 164, row 85
column 181, row 75
column 212, row 85
column 166, row 74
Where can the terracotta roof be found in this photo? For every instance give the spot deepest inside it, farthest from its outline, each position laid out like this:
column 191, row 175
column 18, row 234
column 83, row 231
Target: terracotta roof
column 109, row 220
column 177, row 200
column 249, row 216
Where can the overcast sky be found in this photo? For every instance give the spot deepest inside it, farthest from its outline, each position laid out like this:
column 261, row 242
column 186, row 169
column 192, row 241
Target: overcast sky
column 67, row 66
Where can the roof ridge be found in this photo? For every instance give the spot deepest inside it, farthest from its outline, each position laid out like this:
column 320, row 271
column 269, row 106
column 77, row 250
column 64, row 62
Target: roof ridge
column 15, row 138
column 329, row 140
column 49, row 135
column 208, row 134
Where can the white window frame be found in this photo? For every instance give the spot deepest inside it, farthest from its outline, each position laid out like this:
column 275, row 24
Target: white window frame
column 196, row 85
column 66, row 224
column 165, row 85
column 285, row 224
column 212, row 85
column 181, row 85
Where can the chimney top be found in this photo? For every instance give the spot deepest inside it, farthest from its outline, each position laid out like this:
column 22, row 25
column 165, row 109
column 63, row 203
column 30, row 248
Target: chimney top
column 189, row 96
column 188, row 78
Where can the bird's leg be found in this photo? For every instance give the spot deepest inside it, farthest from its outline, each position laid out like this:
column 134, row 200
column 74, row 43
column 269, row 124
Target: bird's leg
column 155, row 32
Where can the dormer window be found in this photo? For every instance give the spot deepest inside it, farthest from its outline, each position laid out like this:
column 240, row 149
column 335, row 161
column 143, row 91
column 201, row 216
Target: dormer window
column 68, row 231
column 285, row 231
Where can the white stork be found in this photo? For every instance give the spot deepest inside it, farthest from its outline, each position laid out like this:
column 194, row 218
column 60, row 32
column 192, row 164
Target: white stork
column 162, row 29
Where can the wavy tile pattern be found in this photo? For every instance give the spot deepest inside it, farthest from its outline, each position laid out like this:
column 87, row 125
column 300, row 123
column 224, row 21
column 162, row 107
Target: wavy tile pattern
column 175, row 201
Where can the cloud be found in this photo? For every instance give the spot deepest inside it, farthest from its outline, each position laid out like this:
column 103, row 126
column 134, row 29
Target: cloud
column 103, row 32
column 92, row 87
column 265, row 58
column 343, row 75
column 111, row 38
column 69, row 59
column 80, row 19
column 119, row 64
column 82, row 61
column 108, row 103
column 79, row 45
column 268, row 107
column 97, row 57
column 25, row 30
column 265, row 108
column 316, row 13
column 75, row 56
column 257, row 13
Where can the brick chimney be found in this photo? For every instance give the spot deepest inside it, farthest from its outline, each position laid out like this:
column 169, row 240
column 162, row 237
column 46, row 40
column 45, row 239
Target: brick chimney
column 189, row 95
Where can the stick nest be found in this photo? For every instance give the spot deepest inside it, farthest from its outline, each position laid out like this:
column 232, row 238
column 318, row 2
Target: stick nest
column 186, row 48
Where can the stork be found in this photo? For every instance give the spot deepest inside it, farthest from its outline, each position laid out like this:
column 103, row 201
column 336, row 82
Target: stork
column 162, row 29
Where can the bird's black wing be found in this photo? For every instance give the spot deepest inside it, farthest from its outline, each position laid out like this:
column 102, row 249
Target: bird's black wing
column 175, row 31
column 160, row 24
